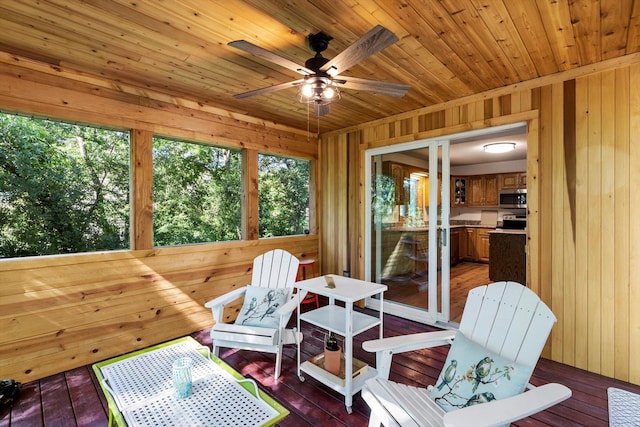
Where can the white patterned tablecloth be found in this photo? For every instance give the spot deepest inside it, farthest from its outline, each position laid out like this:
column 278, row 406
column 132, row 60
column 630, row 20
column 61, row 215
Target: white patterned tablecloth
column 624, row 408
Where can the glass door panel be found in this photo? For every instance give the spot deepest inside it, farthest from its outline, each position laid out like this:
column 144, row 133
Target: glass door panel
column 408, row 229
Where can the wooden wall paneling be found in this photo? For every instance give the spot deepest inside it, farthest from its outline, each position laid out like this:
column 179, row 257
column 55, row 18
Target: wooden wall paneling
column 569, row 287
column 314, row 209
column 525, row 100
column 570, row 212
column 505, row 104
column 581, row 178
column 94, row 106
column 334, row 200
column 545, row 200
column 580, row 236
column 558, row 206
column 250, row 214
column 87, row 307
column 533, row 205
column 515, row 102
column 594, row 221
column 324, row 192
column 355, row 182
column 621, row 223
column 488, row 109
column 634, row 225
column 73, row 310
column 607, row 227
column 342, row 200
column 142, row 198
column 452, row 116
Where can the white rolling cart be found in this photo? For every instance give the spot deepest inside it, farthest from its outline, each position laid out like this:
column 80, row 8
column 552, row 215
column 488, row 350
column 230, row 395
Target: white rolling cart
column 343, row 321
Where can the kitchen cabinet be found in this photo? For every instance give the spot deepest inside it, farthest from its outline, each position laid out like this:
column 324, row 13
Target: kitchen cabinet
column 474, row 244
column 408, row 188
column 399, row 173
column 482, row 244
column 483, row 190
column 454, row 247
column 468, row 244
column 459, row 191
column 522, row 177
column 513, row 180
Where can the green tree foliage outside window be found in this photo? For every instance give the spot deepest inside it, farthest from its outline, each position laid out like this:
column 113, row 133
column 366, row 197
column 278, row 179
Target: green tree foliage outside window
column 283, row 196
column 197, row 193
column 64, row 188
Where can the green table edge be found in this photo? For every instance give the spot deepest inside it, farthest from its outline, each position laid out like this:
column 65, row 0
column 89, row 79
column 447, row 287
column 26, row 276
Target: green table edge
column 117, row 415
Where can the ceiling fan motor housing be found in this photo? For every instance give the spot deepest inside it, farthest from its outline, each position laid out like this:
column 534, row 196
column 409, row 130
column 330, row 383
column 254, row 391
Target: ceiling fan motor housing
column 319, row 42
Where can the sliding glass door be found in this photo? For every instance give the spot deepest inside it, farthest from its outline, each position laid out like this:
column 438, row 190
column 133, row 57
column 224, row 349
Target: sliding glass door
column 407, row 234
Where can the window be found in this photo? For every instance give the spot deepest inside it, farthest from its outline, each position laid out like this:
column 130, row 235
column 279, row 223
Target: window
column 64, row 188
column 197, row 193
column 283, row 199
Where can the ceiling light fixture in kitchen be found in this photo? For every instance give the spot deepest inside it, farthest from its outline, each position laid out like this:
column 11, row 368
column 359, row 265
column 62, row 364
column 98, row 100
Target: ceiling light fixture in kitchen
column 499, row 147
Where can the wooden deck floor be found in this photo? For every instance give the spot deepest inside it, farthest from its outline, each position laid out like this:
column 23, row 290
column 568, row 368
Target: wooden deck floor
column 74, row 398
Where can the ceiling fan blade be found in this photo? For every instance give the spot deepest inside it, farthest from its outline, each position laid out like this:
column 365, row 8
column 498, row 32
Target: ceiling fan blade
column 397, row 90
column 321, row 109
column 269, row 89
column 372, row 42
column 269, row 56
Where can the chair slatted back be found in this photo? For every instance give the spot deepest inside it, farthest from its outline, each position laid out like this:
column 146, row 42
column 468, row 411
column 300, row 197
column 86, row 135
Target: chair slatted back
column 508, row 319
column 275, row 269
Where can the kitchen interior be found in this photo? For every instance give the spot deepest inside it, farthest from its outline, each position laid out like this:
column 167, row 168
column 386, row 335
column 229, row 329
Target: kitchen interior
column 487, row 219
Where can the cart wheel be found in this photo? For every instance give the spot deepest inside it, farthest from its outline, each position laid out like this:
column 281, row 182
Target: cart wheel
column 349, row 410
column 301, row 378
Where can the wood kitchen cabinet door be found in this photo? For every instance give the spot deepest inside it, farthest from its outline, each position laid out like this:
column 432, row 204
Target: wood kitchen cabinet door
column 491, row 190
column 512, row 180
column 482, row 242
column 454, row 247
column 475, row 192
column 483, row 190
column 468, row 244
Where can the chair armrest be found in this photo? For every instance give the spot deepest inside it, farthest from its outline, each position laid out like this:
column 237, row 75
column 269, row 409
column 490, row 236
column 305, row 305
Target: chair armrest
column 504, row 411
column 385, row 348
column 403, row 343
column 226, row 298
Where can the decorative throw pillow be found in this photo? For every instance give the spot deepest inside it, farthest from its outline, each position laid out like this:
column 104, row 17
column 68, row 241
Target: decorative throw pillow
column 473, row 375
column 260, row 306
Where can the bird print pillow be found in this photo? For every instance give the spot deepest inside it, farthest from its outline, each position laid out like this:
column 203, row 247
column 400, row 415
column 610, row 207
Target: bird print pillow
column 260, row 307
column 473, row 375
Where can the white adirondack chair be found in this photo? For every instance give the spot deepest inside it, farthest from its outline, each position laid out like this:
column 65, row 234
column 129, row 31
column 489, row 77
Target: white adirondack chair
column 504, row 317
column 276, row 269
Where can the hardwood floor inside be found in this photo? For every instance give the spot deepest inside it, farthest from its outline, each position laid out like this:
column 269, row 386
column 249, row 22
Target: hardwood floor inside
column 74, row 398
column 413, row 291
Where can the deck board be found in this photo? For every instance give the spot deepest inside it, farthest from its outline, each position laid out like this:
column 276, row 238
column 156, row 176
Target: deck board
column 74, row 398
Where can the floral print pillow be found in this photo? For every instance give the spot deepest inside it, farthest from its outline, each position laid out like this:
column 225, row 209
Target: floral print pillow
column 260, row 307
column 473, row 375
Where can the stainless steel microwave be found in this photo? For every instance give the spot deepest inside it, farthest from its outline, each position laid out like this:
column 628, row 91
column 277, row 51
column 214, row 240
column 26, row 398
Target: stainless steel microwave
column 513, row 199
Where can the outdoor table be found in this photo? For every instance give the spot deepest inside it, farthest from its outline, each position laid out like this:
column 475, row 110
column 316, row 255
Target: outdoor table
column 139, row 389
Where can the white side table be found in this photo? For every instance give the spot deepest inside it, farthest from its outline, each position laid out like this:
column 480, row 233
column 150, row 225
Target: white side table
column 342, row 321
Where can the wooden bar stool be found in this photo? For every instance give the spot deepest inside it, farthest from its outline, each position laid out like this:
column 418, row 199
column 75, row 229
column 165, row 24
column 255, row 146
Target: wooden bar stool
column 302, row 271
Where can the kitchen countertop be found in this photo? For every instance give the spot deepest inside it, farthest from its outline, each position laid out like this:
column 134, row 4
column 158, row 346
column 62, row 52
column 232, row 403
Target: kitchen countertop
column 508, row 231
column 426, row 228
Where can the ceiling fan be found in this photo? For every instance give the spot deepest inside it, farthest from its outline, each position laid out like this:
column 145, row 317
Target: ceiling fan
column 321, row 82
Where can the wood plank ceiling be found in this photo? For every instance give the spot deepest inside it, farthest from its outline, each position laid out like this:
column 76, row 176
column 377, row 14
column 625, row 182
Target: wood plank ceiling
column 447, row 48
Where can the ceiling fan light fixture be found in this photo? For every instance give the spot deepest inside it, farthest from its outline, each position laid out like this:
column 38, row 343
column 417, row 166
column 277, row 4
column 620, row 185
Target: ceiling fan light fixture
column 307, row 90
column 318, row 89
column 328, row 92
column 499, row 147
